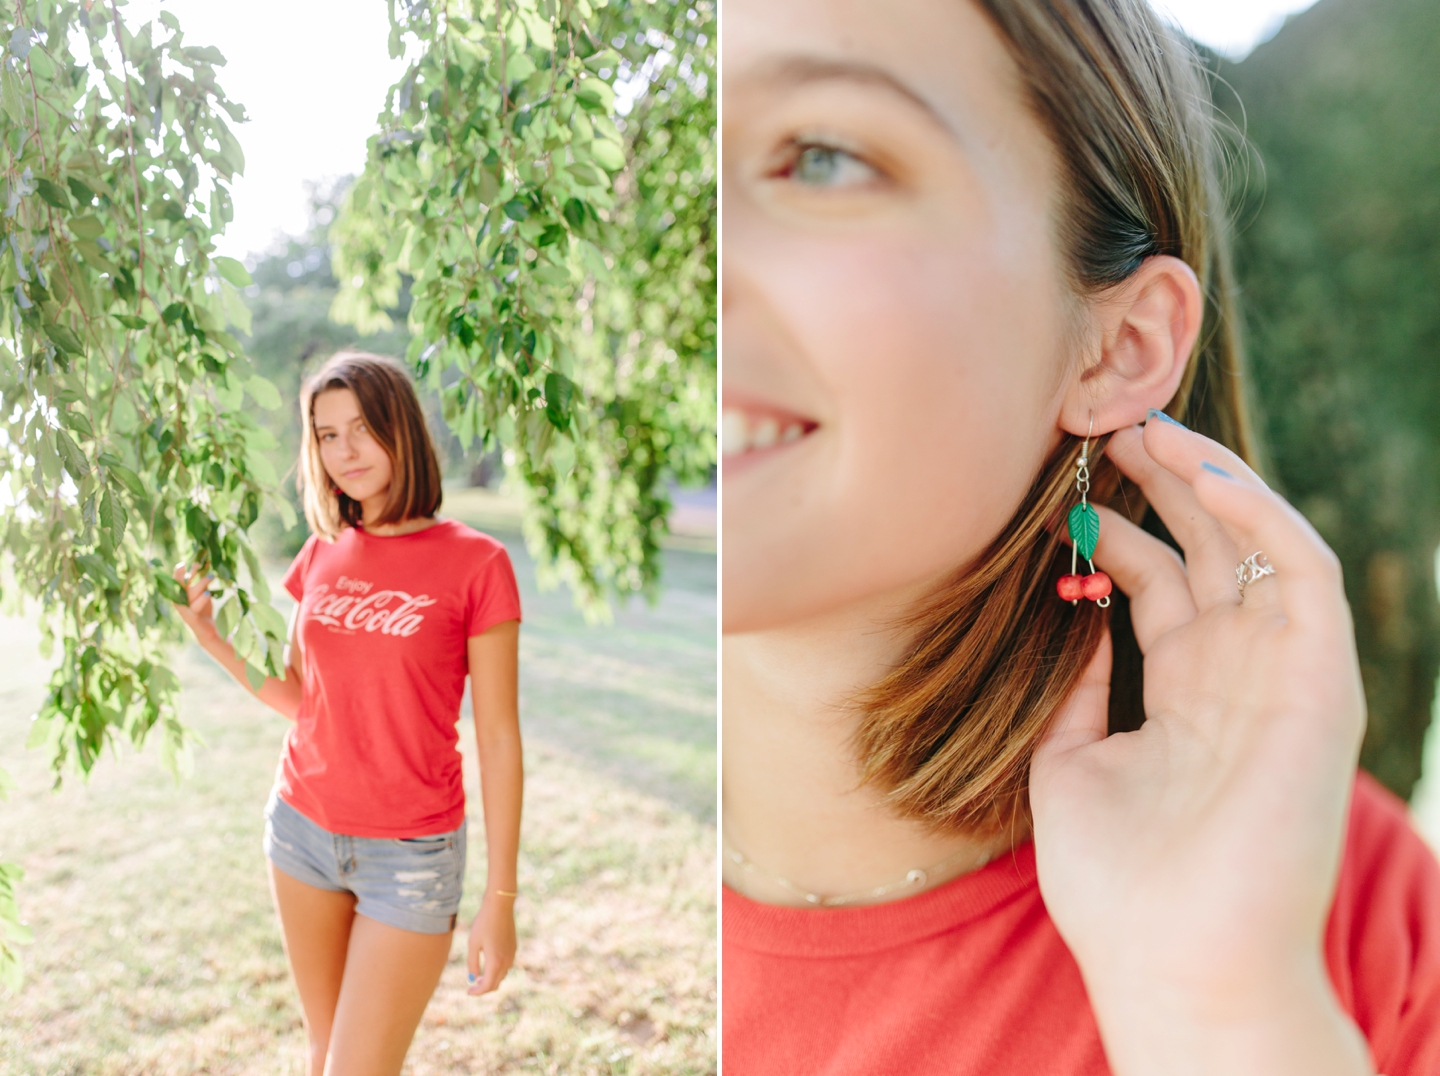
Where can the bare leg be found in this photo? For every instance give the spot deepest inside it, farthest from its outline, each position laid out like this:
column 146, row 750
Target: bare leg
column 316, row 926
column 389, row 976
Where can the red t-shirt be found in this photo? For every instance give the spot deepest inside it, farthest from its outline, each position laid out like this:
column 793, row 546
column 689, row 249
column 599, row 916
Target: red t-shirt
column 384, row 624
column 972, row 978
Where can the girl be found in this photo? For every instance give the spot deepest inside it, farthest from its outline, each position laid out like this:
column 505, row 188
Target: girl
column 971, row 246
column 365, row 829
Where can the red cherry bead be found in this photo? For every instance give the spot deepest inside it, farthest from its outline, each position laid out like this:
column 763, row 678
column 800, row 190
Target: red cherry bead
column 1096, row 586
column 1071, row 588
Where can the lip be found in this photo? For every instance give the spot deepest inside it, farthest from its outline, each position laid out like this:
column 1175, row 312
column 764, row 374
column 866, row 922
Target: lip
column 747, row 419
column 355, row 473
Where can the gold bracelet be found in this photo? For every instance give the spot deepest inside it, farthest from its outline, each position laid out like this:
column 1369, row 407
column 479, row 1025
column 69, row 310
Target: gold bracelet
column 502, row 893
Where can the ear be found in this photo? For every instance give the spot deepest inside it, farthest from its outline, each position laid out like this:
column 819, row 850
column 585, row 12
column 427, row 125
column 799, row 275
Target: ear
column 1147, row 327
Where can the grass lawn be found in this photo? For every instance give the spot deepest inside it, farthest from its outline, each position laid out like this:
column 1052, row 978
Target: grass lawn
column 156, row 949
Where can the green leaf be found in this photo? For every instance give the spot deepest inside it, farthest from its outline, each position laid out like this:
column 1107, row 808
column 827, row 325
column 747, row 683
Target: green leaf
column 52, row 193
column 79, row 190
column 63, row 338
column 607, row 155
column 269, row 620
column 77, row 421
column 70, row 453
column 254, row 677
column 516, row 209
column 1085, row 528
column 170, row 588
column 206, row 54
column 40, row 726
column 128, row 478
column 596, row 95
column 130, row 321
column 113, row 517
column 585, row 174
column 263, row 392
column 87, row 227
column 94, row 256
column 234, row 271
column 227, row 615
column 559, row 394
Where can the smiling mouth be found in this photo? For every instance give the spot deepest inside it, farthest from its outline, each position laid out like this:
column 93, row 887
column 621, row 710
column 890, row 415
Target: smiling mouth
column 746, row 430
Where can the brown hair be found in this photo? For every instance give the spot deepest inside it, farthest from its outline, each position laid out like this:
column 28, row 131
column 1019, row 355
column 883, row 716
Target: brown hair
column 948, row 734
column 392, row 412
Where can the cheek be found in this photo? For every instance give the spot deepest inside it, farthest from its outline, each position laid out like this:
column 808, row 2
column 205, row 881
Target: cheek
column 937, row 360
column 375, row 456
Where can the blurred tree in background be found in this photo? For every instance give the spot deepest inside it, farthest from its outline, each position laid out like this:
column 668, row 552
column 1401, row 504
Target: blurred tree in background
column 1339, row 261
column 545, row 177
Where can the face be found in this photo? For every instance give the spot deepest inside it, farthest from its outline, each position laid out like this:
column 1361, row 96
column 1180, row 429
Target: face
column 895, row 309
column 353, row 459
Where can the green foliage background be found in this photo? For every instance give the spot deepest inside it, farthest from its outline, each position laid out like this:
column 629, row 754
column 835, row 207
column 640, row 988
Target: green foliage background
column 126, row 443
column 1339, row 260
column 561, row 256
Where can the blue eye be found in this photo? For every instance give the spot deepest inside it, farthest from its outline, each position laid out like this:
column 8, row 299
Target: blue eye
column 826, row 166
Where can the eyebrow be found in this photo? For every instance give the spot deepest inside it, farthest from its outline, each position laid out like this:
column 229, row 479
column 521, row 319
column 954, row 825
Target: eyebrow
column 357, row 418
column 798, row 70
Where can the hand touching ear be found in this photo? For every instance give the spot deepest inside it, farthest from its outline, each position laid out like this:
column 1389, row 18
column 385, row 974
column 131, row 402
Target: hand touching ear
column 1190, row 865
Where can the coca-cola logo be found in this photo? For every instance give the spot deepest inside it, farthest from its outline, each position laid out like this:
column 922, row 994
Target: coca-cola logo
column 390, row 612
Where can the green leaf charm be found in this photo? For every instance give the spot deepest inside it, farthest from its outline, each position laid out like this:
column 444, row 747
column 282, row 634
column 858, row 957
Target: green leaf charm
column 1085, row 528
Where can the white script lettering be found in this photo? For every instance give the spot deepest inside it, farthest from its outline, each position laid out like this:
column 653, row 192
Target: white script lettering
column 390, row 612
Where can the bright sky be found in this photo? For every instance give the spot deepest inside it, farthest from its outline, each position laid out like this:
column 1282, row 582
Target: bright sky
column 313, row 75
column 1232, row 27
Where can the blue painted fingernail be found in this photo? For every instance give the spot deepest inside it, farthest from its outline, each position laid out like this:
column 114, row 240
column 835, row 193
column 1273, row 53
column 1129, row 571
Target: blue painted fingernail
column 1216, row 470
column 472, row 977
column 1155, row 412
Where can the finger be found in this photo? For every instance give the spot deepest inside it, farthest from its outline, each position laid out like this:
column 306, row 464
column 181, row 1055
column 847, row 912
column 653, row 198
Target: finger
column 494, row 974
column 472, row 962
column 1151, row 574
column 1308, row 586
column 1181, row 450
column 1186, row 455
column 1084, row 717
column 1210, row 555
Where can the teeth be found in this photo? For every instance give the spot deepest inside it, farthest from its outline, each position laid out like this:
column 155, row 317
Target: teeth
column 734, row 436
column 764, row 433
column 741, row 432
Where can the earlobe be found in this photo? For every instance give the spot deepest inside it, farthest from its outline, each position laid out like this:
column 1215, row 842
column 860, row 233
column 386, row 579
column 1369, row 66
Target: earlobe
column 1147, row 327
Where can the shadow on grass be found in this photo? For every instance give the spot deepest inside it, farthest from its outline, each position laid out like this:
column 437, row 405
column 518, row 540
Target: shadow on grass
column 646, row 715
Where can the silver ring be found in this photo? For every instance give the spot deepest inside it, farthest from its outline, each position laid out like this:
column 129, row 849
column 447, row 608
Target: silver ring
column 1254, row 567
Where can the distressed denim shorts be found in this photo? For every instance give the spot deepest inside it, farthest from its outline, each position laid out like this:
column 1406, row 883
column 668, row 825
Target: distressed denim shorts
column 413, row 883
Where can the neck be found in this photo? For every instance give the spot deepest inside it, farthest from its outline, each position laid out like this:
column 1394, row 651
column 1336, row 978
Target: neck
column 794, row 807
column 372, row 507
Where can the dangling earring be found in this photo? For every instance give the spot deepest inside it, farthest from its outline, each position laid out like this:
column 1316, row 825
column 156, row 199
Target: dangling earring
column 1084, row 524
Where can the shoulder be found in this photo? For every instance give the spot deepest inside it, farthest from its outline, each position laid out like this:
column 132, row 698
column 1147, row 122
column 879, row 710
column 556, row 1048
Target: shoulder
column 1381, row 837
column 469, row 542
column 1383, row 939
column 301, row 565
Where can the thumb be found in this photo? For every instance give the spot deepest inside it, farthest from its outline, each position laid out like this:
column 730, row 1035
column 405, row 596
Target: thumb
column 1085, row 716
column 472, row 959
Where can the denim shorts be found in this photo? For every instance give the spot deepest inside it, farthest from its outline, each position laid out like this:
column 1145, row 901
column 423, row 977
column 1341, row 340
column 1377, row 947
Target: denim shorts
column 412, row 883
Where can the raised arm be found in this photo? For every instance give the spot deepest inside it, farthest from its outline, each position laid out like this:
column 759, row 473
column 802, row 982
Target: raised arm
column 494, row 692
column 279, row 693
